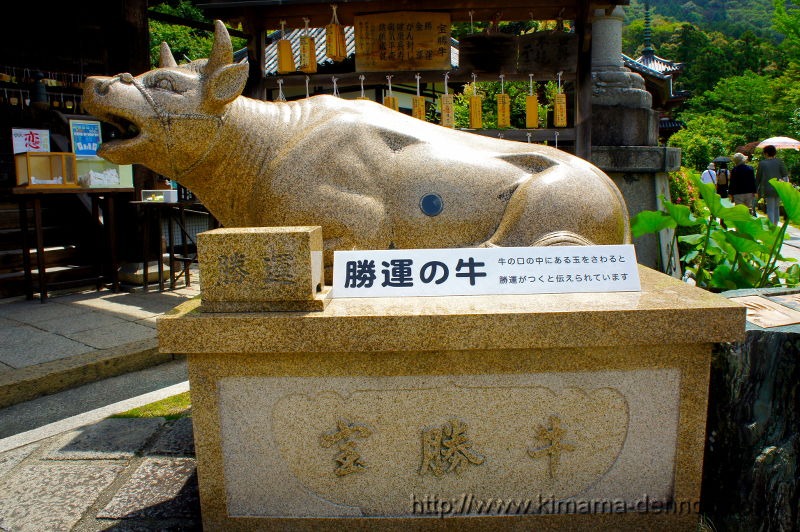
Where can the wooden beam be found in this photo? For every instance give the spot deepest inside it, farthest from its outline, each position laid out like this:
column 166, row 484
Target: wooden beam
column 256, row 57
column 378, row 78
column 583, row 90
column 270, row 14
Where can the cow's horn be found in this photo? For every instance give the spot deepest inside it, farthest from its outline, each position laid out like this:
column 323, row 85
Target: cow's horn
column 222, row 51
column 167, row 61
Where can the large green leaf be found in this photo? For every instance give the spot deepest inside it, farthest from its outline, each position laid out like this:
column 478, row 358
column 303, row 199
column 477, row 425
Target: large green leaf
column 739, row 213
column 682, row 214
column 749, row 272
column 692, row 240
column 650, row 222
column 708, row 191
column 721, row 278
column 759, row 229
column 790, row 197
column 745, row 244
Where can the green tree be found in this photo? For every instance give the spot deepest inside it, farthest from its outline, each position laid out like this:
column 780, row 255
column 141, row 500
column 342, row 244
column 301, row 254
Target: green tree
column 704, row 138
column 786, row 20
column 187, row 44
column 743, row 101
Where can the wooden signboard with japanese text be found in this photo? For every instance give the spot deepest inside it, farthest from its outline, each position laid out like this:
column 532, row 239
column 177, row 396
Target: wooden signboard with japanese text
column 403, row 40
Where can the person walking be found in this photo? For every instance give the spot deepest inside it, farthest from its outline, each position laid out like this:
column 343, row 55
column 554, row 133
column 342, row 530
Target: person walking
column 742, row 187
column 723, row 180
column 771, row 168
column 709, row 175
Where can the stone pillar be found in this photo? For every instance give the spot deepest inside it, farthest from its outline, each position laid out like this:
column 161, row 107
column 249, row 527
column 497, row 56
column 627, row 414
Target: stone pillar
column 621, row 107
column 625, row 137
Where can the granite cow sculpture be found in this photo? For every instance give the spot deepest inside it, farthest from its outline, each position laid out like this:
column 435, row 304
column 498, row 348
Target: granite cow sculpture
column 358, row 169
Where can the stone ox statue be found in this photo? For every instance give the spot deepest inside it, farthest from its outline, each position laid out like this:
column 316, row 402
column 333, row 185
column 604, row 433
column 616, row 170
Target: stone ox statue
column 372, row 178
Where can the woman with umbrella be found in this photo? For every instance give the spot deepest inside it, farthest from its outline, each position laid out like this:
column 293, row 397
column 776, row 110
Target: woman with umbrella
column 771, row 168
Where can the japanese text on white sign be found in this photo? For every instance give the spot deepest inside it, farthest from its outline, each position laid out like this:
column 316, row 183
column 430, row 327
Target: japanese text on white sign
column 485, row 271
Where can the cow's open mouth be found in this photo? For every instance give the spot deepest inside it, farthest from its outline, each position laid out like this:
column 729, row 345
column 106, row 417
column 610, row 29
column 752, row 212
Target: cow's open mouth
column 126, row 130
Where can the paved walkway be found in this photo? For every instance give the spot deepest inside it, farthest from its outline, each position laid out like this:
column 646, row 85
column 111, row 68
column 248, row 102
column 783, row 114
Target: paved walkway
column 32, row 333
column 118, row 474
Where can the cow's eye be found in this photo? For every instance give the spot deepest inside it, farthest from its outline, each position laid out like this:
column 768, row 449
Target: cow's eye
column 165, row 84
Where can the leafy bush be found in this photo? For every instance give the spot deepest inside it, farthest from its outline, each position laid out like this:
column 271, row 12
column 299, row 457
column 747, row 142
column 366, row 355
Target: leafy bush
column 743, row 254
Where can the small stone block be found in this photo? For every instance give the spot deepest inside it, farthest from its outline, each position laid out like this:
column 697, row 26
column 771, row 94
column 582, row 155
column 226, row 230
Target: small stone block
column 161, row 488
column 110, row 439
column 176, row 440
column 260, row 264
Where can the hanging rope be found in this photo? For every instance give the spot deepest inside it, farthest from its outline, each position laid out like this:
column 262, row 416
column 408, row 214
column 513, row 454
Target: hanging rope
column 530, row 84
column 446, row 76
column 307, row 81
column 281, row 96
column 334, row 79
column 361, row 79
column 334, row 18
column 417, row 77
column 471, row 30
column 389, row 80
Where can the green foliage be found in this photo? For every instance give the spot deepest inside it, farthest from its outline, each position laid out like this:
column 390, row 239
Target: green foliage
column 704, row 138
column 743, row 100
column 786, row 18
column 187, row 44
column 742, row 253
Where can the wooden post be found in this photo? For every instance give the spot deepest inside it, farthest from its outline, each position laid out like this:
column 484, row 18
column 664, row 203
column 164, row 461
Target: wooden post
column 583, row 87
column 257, row 42
column 26, row 246
column 40, row 263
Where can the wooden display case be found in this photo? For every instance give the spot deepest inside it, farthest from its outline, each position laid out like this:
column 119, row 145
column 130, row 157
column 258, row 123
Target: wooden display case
column 46, row 169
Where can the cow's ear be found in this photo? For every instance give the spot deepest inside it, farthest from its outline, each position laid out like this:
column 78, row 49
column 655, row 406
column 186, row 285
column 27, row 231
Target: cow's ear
column 225, row 84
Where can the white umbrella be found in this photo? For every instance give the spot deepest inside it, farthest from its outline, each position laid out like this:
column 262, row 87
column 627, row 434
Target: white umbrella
column 780, row 142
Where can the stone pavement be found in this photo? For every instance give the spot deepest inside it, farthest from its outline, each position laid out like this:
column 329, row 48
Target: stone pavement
column 32, row 333
column 117, row 474
column 78, row 338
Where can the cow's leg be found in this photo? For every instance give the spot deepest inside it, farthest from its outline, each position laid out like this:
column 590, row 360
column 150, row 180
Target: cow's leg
column 562, row 206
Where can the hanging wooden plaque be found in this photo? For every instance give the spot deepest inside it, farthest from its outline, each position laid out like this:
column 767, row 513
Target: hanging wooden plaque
column 475, row 112
column 531, row 111
column 503, row 110
column 404, row 40
column 560, row 113
column 448, row 113
column 418, row 107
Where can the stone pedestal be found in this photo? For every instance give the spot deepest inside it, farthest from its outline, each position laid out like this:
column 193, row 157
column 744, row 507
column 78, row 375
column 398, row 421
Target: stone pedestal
column 566, row 412
column 641, row 174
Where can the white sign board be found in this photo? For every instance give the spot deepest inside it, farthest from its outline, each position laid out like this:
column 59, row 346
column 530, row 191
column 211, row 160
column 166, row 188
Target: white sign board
column 485, row 271
column 30, row 140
